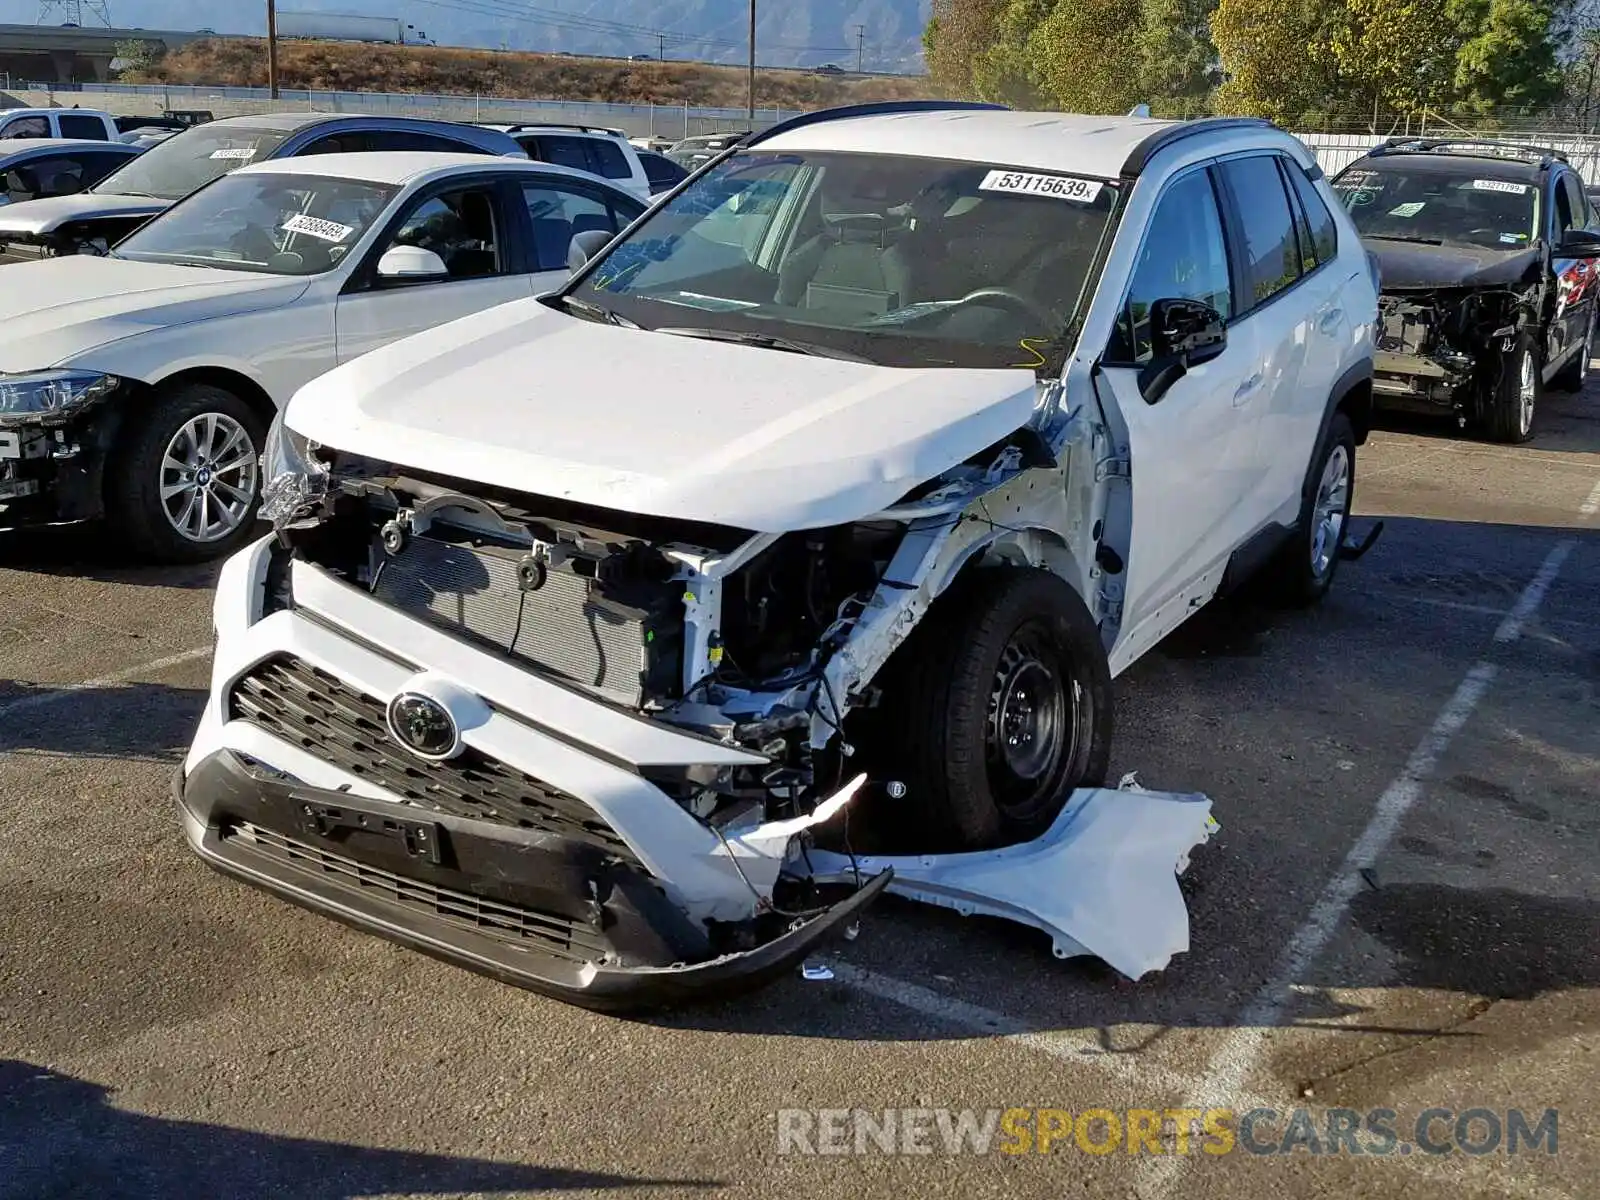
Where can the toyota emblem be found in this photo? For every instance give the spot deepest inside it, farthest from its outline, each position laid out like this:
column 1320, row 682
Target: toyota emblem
column 424, row 726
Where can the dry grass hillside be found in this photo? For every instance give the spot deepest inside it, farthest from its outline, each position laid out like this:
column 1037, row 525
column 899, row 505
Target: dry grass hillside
column 334, row 66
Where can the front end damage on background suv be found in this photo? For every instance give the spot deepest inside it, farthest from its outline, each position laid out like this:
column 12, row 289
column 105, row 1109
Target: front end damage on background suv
column 623, row 746
column 1448, row 328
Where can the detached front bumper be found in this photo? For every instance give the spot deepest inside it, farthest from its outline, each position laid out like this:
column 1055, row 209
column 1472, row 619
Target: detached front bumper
column 541, row 854
column 537, row 912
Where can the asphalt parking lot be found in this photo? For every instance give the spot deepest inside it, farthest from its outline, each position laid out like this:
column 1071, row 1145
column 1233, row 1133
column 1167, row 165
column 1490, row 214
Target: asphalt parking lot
column 1402, row 911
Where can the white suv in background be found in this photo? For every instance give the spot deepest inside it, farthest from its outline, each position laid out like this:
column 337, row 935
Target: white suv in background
column 76, row 123
column 596, row 149
column 844, row 482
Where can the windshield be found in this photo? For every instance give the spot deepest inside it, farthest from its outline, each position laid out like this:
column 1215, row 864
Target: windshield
column 280, row 224
column 898, row 261
column 173, row 168
column 1447, row 209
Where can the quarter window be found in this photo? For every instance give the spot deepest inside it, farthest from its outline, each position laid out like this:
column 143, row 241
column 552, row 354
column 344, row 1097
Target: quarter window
column 1324, row 233
column 1271, row 251
column 1184, row 258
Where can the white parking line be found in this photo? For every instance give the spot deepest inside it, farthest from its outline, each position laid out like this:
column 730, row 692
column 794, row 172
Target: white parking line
column 1230, row 1067
column 40, row 699
column 1592, row 505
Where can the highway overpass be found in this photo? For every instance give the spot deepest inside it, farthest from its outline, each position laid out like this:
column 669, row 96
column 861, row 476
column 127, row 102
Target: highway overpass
column 61, row 54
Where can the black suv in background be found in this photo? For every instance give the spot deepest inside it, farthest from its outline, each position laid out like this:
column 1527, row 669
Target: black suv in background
column 1487, row 255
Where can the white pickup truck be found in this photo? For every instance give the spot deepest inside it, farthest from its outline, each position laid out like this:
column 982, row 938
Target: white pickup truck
column 80, row 123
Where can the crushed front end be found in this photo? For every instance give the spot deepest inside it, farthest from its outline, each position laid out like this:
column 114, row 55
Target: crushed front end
column 56, row 430
column 1442, row 350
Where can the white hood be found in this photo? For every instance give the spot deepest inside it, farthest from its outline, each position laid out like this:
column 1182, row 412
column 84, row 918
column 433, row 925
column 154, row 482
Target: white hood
column 35, row 218
column 59, row 308
column 526, row 398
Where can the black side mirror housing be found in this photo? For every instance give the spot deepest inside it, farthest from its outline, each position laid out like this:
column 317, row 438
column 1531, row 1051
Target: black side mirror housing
column 1183, row 334
column 1579, row 243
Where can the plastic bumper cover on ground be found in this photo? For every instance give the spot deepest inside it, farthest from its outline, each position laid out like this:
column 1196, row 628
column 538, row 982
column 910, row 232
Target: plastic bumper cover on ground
column 523, row 908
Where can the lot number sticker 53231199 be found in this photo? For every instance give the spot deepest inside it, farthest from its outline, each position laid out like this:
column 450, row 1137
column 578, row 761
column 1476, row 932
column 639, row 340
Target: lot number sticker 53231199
column 1059, row 187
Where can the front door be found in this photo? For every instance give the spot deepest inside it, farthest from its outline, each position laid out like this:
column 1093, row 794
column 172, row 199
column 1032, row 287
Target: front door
column 467, row 228
column 1191, row 445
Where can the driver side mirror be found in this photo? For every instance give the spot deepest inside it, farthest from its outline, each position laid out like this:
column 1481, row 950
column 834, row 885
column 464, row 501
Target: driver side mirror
column 411, row 264
column 1579, row 243
column 1183, row 334
column 585, row 246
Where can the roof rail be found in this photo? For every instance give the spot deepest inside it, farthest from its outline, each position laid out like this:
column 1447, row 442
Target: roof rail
column 879, row 109
column 1139, row 157
column 524, row 126
column 1465, row 146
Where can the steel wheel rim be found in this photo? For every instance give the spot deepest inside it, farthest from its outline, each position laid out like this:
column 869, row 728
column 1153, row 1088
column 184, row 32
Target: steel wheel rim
column 208, row 478
column 1527, row 387
column 1328, row 515
column 1032, row 725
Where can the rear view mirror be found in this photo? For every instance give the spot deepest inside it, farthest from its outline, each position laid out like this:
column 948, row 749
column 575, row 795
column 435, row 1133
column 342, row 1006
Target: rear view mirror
column 1183, row 334
column 411, row 264
column 1579, row 243
column 585, row 246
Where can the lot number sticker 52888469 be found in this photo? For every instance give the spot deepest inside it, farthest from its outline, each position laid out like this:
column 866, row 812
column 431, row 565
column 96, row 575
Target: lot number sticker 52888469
column 1059, row 187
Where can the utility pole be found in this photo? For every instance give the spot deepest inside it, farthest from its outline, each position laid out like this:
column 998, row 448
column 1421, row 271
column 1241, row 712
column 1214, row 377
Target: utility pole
column 272, row 48
column 861, row 49
column 751, row 88
column 661, row 47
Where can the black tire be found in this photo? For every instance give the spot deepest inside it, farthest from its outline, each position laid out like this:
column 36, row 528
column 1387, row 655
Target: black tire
column 940, row 717
column 1510, row 417
column 1301, row 573
column 1575, row 374
column 134, row 505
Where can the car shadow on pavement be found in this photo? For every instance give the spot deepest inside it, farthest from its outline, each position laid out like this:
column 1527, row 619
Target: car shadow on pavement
column 61, row 1137
column 136, row 721
column 92, row 552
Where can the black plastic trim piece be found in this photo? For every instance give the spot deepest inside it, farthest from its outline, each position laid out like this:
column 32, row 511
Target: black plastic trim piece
column 1416, row 145
column 222, row 788
column 879, row 109
column 1139, row 157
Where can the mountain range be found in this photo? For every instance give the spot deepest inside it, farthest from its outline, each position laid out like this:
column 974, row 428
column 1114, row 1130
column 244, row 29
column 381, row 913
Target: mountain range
column 882, row 35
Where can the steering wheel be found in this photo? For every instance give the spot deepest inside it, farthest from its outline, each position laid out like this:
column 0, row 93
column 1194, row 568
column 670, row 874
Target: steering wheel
column 1015, row 301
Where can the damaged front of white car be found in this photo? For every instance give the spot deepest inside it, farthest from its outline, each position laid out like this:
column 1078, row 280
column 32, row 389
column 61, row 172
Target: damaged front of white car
column 606, row 643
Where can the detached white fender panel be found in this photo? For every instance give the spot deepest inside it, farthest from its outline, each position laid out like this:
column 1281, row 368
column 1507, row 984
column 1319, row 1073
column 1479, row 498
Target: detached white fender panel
column 1102, row 880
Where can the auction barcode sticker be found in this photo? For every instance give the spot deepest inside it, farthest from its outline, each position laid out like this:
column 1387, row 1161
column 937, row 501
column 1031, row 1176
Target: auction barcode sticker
column 328, row 231
column 237, row 153
column 1061, row 187
column 1499, row 185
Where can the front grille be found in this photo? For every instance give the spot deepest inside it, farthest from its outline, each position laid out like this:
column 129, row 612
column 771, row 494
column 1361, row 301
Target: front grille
column 346, row 728
column 560, row 627
column 493, row 918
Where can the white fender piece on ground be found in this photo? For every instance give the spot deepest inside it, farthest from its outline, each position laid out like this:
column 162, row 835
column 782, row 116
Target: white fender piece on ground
column 1102, row 880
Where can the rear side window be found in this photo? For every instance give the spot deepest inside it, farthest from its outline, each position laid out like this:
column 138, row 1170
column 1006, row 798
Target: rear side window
column 609, row 160
column 406, row 139
column 90, row 128
column 1271, row 250
column 1319, row 221
column 1577, row 203
column 1184, row 257
column 97, row 164
column 341, row 143
column 562, row 151
column 26, row 127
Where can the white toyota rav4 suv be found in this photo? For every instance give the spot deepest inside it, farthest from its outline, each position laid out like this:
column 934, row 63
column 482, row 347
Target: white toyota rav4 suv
column 818, row 509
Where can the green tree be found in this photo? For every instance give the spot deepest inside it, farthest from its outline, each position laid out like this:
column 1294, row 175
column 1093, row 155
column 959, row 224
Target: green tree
column 1508, row 57
column 959, row 34
column 139, row 57
column 1277, row 58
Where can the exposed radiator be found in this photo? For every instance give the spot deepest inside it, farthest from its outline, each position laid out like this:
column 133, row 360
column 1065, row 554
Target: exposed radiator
column 563, row 627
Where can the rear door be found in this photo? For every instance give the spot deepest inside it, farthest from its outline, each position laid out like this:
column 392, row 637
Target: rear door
column 1192, row 443
column 1574, row 278
column 467, row 224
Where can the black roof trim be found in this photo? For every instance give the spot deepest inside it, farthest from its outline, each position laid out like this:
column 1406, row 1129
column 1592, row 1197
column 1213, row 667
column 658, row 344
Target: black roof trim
column 526, row 126
column 880, row 109
column 1139, row 157
column 1544, row 155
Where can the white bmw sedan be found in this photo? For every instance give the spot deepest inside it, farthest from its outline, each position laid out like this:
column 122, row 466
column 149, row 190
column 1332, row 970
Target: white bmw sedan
column 139, row 387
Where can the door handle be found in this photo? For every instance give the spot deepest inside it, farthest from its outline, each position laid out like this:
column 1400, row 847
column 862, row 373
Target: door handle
column 1330, row 320
column 1246, row 390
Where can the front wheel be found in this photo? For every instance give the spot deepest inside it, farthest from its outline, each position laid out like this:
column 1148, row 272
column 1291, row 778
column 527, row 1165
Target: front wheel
column 186, row 483
column 1515, row 400
column 995, row 710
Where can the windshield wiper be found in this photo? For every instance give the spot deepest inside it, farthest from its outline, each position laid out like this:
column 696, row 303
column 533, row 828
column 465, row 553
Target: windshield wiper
column 765, row 341
column 1397, row 237
column 594, row 312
